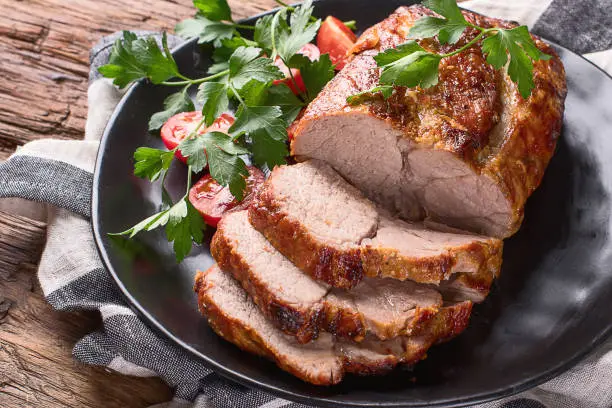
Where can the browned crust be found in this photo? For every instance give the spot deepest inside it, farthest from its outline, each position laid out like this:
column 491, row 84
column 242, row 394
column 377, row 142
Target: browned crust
column 299, row 320
column 344, row 322
column 346, row 267
column 444, row 326
column 449, row 323
column 379, row 366
column 482, row 257
column 532, row 134
column 247, row 339
column 467, row 106
column 305, row 321
column 340, row 268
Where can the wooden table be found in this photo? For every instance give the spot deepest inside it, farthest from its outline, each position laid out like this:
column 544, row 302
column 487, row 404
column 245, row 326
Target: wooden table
column 44, row 66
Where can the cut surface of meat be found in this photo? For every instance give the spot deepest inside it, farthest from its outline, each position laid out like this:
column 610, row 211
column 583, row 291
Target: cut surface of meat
column 298, row 305
column 325, row 361
column 467, row 152
column 236, row 318
column 390, row 248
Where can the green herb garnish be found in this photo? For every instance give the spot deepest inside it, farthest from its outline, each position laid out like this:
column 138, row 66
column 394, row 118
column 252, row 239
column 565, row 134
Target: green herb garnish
column 410, row 65
column 241, row 77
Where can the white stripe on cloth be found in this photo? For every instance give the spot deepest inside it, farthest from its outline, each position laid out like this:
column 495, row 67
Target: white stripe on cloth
column 102, row 97
column 110, row 310
column 277, row 403
column 81, row 154
column 523, row 11
column 123, row 366
column 69, row 253
column 603, row 59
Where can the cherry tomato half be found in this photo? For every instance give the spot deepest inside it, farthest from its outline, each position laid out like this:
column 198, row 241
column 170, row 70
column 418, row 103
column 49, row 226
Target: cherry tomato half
column 213, row 200
column 179, row 126
column 309, row 50
column 335, row 39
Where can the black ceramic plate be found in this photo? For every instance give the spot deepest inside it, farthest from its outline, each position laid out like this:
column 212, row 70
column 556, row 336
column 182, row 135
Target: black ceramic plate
column 548, row 310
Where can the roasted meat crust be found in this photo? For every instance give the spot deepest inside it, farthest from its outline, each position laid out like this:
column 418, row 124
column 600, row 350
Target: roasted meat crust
column 371, row 357
column 474, row 112
column 324, row 262
column 301, row 321
column 305, row 321
column 345, row 267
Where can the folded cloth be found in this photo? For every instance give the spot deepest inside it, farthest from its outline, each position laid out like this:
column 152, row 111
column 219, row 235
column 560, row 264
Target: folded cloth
column 58, row 174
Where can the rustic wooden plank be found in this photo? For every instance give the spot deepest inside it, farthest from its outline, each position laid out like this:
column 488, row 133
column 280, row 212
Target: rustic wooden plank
column 45, row 47
column 36, row 368
column 44, row 68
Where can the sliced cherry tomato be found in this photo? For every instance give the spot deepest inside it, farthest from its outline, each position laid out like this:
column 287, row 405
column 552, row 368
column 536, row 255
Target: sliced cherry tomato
column 335, row 39
column 309, row 50
column 179, row 126
column 213, row 200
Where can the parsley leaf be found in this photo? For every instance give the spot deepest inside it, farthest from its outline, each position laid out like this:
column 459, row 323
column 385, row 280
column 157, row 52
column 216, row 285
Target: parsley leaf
column 289, row 104
column 448, row 32
column 196, row 149
column 518, row 43
column 448, row 29
column 267, row 150
column 254, row 93
column 447, row 9
column 301, row 31
column 221, row 55
column 263, row 32
column 207, row 31
column 411, row 65
column 215, row 10
column 252, row 118
column 175, row 103
column 213, row 96
column 246, row 65
column 385, row 90
column 352, row 25
column 228, row 170
column 408, row 65
column 315, row 74
column 148, row 224
column 134, row 58
column 185, row 226
column 267, row 130
column 151, row 163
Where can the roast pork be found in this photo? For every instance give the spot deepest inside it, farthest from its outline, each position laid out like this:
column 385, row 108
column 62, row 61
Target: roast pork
column 329, row 230
column 235, row 317
column 467, row 152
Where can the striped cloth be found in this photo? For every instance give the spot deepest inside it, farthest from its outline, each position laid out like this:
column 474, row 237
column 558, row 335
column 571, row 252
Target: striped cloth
column 58, row 174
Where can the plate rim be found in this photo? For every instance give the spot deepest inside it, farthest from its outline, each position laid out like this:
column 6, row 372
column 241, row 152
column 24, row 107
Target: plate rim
column 245, row 380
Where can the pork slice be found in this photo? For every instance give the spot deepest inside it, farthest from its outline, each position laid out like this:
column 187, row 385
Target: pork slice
column 391, row 248
column 330, row 211
column 299, row 305
column 467, row 152
column 325, row 361
column 410, row 250
column 233, row 316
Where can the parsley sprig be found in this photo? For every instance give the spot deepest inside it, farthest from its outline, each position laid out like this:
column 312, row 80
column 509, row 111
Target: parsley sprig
column 411, row 65
column 240, row 79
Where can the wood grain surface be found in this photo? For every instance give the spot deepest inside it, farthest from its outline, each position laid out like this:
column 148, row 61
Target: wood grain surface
column 44, row 67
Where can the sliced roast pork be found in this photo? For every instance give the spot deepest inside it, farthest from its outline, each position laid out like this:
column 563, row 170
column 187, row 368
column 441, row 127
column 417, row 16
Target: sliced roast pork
column 234, row 316
column 298, row 305
column 467, row 152
column 328, row 229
